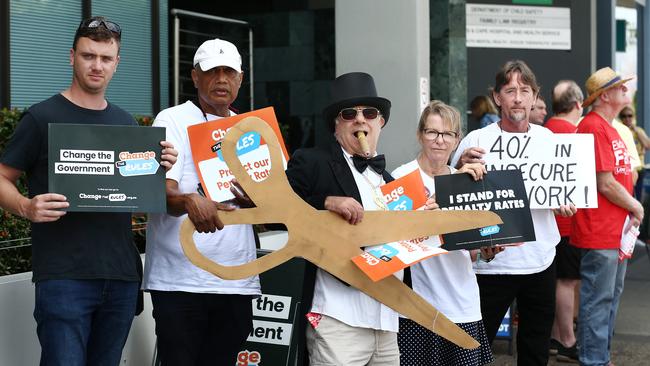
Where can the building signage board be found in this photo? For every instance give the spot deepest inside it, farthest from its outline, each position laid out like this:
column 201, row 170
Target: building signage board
column 513, row 26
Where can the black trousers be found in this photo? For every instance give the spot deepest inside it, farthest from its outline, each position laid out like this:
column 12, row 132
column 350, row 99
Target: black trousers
column 535, row 295
column 201, row 329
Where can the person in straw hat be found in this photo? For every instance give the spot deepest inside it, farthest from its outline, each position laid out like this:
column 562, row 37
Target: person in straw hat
column 598, row 231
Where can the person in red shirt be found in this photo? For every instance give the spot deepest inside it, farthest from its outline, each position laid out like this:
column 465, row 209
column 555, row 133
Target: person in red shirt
column 598, row 231
column 567, row 101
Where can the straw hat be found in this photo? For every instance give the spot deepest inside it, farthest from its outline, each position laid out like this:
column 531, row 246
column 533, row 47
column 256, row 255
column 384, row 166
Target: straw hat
column 601, row 81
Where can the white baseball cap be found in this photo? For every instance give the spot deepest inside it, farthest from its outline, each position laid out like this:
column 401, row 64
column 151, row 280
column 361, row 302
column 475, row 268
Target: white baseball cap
column 217, row 52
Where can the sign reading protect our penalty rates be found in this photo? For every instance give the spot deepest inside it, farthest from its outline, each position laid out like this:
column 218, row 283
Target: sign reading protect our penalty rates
column 102, row 168
column 252, row 150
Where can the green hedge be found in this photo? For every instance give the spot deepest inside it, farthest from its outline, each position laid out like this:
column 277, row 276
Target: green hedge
column 15, row 249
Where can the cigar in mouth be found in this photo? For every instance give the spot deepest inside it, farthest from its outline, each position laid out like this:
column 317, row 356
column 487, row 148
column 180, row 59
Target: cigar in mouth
column 361, row 136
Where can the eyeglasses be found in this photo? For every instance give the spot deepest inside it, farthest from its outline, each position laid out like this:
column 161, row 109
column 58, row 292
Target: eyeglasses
column 95, row 23
column 350, row 114
column 432, row 135
column 627, row 115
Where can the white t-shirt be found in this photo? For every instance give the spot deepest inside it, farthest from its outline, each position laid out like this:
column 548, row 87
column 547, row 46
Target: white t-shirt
column 346, row 303
column 533, row 256
column 446, row 281
column 166, row 266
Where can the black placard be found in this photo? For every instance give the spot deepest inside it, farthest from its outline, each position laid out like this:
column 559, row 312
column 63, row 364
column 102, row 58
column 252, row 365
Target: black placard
column 502, row 192
column 107, row 168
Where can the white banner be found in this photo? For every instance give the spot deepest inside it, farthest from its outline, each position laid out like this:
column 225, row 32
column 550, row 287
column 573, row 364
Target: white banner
column 557, row 169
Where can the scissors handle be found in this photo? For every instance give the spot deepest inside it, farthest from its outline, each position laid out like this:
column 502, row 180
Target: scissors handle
column 271, row 196
column 237, row 272
column 276, row 179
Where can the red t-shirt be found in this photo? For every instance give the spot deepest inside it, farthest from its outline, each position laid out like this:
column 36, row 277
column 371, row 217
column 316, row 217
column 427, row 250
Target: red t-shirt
column 600, row 228
column 558, row 125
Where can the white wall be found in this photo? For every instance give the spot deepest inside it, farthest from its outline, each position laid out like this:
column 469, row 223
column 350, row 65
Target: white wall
column 389, row 40
column 18, row 341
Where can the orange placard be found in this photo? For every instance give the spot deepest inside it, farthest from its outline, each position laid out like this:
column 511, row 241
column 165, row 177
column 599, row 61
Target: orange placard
column 252, row 150
column 379, row 261
column 405, row 193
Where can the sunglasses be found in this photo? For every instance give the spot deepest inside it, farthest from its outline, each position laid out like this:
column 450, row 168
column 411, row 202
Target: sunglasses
column 95, row 23
column 627, row 115
column 350, row 114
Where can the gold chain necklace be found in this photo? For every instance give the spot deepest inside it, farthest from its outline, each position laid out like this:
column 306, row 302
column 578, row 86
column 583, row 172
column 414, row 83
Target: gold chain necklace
column 378, row 199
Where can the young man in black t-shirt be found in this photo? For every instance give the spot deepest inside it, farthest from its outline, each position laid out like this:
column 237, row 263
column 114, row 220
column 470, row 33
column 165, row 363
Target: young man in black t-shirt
column 85, row 266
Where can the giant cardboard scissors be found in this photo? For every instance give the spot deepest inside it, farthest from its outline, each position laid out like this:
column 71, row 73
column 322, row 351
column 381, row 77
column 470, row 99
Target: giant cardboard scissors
column 327, row 240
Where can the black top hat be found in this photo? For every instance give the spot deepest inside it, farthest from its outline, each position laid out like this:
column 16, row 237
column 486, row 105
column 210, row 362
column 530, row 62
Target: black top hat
column 353, row 89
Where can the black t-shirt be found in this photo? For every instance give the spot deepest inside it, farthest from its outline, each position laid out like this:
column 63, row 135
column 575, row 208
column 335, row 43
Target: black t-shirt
column 80, row 245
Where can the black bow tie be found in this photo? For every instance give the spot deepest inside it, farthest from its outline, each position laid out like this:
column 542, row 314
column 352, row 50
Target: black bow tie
column 378, row 163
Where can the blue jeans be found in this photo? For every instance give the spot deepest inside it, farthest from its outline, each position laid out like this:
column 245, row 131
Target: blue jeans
column 84, row 322
column 600, row 291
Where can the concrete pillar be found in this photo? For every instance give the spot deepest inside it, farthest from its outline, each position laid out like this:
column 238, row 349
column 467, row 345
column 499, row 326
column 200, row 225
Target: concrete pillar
column 389, row 40
column 448, row 59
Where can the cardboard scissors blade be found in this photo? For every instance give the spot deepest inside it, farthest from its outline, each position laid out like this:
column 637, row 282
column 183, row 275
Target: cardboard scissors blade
column 327, row 240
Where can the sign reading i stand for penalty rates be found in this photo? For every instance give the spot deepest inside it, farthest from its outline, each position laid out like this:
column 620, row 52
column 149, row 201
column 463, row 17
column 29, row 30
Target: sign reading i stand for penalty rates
column 205, row 141
column 501, row 192
column 102, row 168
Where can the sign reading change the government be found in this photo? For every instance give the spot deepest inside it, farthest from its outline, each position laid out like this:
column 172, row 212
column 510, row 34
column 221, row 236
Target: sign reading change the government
column 557, row 169
column 107, row 168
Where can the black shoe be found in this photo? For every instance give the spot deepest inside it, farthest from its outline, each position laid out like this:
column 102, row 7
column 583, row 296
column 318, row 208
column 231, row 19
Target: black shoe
column 565, row 354
column 554, row 345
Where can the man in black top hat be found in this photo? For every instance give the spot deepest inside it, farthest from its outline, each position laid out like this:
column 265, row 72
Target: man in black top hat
column 347, row 327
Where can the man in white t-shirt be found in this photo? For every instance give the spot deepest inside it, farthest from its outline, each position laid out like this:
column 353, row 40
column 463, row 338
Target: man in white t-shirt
column 200, row 319
column 526, row 272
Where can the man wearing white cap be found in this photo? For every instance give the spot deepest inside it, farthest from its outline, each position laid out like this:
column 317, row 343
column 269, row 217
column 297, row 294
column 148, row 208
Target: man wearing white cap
column 200, row 319
column 598, row 231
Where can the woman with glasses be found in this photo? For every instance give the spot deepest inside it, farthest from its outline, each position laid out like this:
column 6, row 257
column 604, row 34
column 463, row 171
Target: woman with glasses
column 642, row 143
column 447, row 281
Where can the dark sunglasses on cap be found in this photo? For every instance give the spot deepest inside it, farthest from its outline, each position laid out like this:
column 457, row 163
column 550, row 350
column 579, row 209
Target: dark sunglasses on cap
column 350, row 114
column 96, row 22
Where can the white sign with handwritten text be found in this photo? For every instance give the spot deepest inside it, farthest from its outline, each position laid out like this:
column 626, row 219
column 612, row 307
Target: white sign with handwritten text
column 557, row 169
